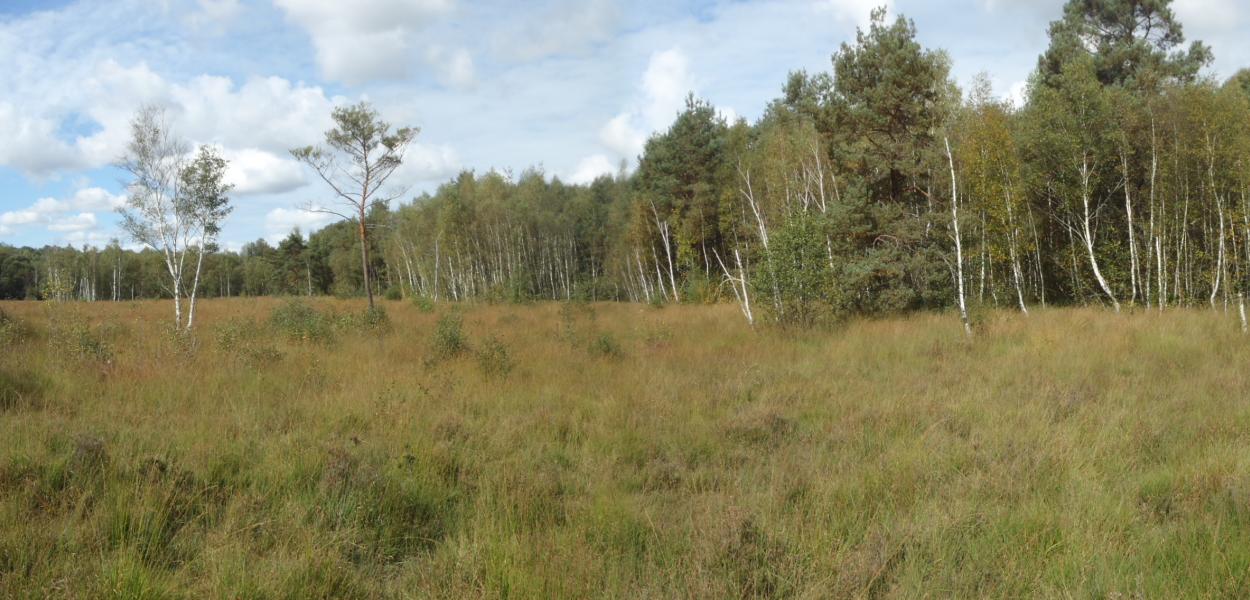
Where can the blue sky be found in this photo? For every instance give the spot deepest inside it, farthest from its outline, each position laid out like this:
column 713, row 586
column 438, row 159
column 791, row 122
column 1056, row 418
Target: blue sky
column 572, row 86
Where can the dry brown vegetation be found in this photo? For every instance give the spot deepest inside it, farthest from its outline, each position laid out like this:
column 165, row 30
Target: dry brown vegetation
column 615, row 450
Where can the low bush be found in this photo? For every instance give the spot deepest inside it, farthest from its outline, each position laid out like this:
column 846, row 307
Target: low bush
column 449, row 338
column 298, row 321
column 493, row 358
column 605, row 346
column 372, row 320
column 70, row 335
column 12, row 330
column 423, row 303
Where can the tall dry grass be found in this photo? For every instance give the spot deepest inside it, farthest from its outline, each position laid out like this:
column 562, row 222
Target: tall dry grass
column 625, row 452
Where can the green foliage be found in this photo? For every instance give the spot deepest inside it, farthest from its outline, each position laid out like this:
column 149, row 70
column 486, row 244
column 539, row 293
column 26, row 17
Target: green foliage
column 795, row 284
column 231, row 334
column 423, row 303
column 244, row 340
column 1134, row 43
column 605, row 345
column 13, row 331
column 298, row 321
column 372, row 320
column 394, row 294
column 70, row 335
column 449, row 338
column 493, row 358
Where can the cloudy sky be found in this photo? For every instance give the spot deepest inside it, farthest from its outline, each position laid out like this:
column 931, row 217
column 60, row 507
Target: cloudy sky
column 572, row 86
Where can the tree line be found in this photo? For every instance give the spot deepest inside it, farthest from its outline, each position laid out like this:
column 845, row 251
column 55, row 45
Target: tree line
column 873, row 188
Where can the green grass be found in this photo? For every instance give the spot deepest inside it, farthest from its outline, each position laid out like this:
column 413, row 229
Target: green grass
column 623, row 452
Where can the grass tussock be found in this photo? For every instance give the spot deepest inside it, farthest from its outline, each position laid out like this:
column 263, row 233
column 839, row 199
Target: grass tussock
column 308, row 449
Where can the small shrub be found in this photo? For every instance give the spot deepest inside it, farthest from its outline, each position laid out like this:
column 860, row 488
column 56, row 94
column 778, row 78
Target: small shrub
column 393, row 294
column 493, row 358
column 12, row 330
column 449, row 339
column 372, row 320
column 605, row 346
column 376, row 319
column 298, row 321
column 423, row 303
column 183, row 344
column 232, row 334
column 256, row 356
column 70, row 335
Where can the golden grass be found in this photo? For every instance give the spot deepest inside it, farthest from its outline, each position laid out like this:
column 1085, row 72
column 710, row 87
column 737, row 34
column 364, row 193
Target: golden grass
column 1072, row 453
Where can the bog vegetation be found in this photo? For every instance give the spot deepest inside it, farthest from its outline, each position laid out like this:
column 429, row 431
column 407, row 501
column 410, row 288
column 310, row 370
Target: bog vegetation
column 618, row 450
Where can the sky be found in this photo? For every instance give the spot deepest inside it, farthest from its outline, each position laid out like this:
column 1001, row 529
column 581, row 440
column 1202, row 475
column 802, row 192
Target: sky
column 573, row 87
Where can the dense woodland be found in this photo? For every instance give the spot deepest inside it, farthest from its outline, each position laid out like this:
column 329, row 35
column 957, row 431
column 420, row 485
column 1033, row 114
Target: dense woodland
column 874, row 188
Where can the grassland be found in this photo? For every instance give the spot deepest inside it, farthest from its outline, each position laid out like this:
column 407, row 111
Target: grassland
column 620, row 451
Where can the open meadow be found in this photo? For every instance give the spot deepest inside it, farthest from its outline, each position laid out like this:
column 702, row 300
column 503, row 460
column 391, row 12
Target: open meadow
column 616, row 450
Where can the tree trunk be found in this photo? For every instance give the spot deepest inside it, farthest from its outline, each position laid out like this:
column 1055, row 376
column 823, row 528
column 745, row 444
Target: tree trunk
column 959, row 248
column 1089, row 236
column 364, row 256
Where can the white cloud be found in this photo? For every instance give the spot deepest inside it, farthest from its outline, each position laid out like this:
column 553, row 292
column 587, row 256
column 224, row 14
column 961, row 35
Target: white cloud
column 364, row 40
column 1208, row 16
column 568, row 26
column 75, row 214
column 253, row 171
column 80, row 222
column 31, row 142
column 857, row 12
column 619, row 136
column 19, row 217
column 591, row 168
column 665, row 85
column 1017, row 95
column 280, row 221
column 426, row 163
column 661, row 96
column 268, row 114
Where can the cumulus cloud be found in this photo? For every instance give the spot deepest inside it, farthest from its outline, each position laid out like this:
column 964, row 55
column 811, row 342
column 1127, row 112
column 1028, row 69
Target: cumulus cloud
column 662, row 93
column 591, row 168
column 856, row 12
column 73, row 214
column 620, row 136
column 368, row 40
column 263, row 115
column 253, row 171
column 426, row 163
column 665, row 84
column 280, row 221
column 31, row 144
column 79, row 222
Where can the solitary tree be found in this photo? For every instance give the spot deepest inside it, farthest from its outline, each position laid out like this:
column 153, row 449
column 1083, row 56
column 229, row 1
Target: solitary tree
column 360, row 156
column 175, row 206
column 204, row 186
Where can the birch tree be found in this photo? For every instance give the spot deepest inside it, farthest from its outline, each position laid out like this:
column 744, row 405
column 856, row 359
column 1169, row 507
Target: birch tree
column 174, row 205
